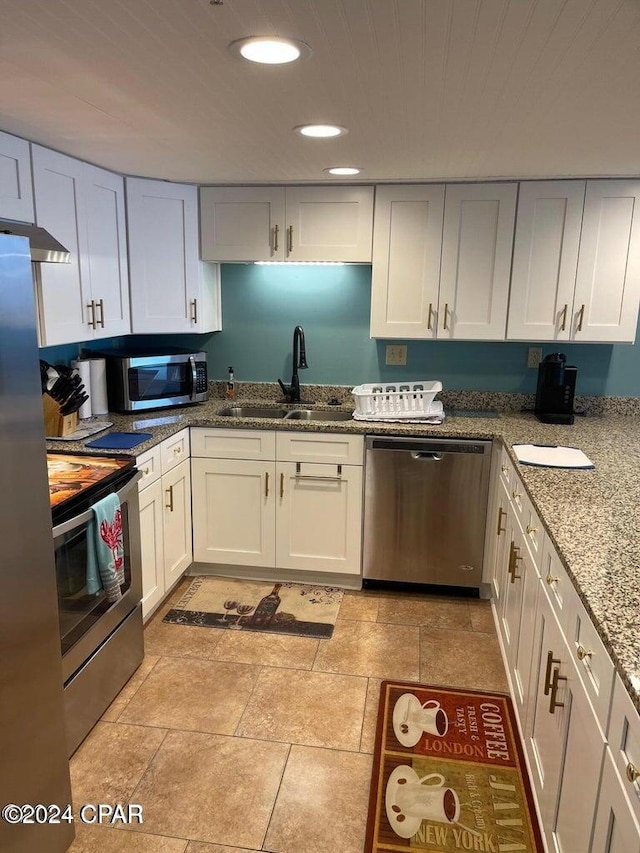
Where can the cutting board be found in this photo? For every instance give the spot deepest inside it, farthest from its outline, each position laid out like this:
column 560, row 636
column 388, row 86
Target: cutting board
column 552, row 456
column 119, row 440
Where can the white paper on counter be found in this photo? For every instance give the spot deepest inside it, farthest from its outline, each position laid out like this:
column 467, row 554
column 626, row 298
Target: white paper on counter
column 552, row 456
column 83, row 367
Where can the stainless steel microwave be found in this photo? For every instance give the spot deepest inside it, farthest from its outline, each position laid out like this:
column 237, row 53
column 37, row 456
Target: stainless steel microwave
column 139, row 382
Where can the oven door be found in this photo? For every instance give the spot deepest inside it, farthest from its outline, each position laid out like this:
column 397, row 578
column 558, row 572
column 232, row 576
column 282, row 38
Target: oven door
column 87, row 620
column 155, row 382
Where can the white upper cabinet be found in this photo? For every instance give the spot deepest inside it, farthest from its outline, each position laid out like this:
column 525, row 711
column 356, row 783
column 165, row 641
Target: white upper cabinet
column 63, row 289
column 476, row 261
column 545, row 260
column 286, row 223
column 170, row 289
column 83, row 207
column 442, row 260
column 407, row 245
column 107, row 251
column 242, row 223
column 16, row 191
column 576, row 265
column 607, row 291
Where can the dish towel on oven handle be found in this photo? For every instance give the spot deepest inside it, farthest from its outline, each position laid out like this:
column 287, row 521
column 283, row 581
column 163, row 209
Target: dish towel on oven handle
column 105, row 557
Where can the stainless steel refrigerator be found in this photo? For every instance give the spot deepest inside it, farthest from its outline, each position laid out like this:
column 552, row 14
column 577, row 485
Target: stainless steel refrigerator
column 33, row 751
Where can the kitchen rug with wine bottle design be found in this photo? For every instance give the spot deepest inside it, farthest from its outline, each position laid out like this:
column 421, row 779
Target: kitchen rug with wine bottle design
column 282, row 608
column 449, row 774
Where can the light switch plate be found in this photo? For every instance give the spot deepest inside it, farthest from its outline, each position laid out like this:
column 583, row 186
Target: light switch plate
column 396, row 354
column 534, row 356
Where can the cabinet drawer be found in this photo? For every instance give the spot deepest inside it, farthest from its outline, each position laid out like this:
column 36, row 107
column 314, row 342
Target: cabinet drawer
column 506, row 470
column 233, row 443
column 592, row 660
column 319, row 447
column 557, row 583
column 624, row 742
column 149, row 465
column 174, row 450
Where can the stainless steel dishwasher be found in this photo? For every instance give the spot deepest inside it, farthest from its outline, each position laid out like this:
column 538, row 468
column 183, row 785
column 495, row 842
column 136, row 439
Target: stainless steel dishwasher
column 425, row 510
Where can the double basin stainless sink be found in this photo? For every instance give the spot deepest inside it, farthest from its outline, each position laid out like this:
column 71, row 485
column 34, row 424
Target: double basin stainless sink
column 285, row 414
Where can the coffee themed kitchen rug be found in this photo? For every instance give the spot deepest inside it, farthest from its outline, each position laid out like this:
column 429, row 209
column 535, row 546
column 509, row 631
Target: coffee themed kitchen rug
column 449, row 774
column 304, row 610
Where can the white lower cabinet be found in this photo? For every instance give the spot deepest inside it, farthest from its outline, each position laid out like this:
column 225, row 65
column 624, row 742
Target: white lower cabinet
column 234, row 506
column 265, row 513
column 562, row 683
column 616, row 829
column 319, row 517
column 165, row 520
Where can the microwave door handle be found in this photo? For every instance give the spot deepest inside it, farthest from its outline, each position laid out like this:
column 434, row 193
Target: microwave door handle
column 86, row 516
column 194, row 375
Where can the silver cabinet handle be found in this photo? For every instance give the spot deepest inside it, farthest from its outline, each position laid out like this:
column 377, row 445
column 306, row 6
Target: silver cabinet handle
column 169, row 491
column 429, row 316
column 581, row 318
column 281, row 485
column 290, row 239
column 92, row 307
column 266, row 484
column 446, row 311
column 300, row 476
column 194, row 311
column 276, row 231
column 100, row 305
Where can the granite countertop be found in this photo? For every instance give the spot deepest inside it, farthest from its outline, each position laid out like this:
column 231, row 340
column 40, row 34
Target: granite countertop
column 591, row 516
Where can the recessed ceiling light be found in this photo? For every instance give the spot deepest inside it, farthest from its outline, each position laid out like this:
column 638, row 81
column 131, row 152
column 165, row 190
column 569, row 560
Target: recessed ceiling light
column 270, row 50
column 343, row 170
column 321, row 130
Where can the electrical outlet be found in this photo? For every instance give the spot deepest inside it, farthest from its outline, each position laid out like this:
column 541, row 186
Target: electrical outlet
column 534, row 356
column 396, row 354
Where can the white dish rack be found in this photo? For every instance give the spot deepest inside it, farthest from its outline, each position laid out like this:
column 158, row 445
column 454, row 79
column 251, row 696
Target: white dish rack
column 398, row 401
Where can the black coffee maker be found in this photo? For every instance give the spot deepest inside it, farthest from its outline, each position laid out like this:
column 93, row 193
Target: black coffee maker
column 556, row 390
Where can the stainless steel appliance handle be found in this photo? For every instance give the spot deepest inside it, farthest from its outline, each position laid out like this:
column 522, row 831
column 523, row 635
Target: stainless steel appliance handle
column 194, row 377
column 437, row 457
column 84, row 517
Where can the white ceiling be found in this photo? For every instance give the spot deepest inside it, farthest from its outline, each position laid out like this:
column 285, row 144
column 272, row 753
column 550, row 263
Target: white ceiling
column 429, row 89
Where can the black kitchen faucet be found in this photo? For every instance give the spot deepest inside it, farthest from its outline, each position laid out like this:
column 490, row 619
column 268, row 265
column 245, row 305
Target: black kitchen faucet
column 292, row 392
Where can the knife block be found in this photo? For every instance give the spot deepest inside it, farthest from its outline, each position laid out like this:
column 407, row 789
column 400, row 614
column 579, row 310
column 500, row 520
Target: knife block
column 55, row 423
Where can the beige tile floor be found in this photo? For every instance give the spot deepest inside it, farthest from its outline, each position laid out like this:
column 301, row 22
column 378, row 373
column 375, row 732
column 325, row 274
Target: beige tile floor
column 251, row 742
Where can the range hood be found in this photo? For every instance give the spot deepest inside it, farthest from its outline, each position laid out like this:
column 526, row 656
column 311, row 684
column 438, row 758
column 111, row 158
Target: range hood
column 44, row 247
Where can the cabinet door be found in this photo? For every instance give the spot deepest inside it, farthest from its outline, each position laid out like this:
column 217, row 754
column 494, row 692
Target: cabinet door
column 545, row 260
column 234, row 511
column 329, row 223
column 163, row 256
column 319, row 517
column 565, row 743
column 16, row 191
column 476, row 261
column 407, row 246
column 615, row 829
column 512, row 590
column 107, row 251
column 607, row 292
column 64, row 289
column 501, row 546
column 151, row 546
column 242, row 223
column 521, row 664
column 177, row 539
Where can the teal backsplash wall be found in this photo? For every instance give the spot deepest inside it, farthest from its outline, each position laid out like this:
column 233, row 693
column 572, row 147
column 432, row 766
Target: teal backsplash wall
column 262, row 304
